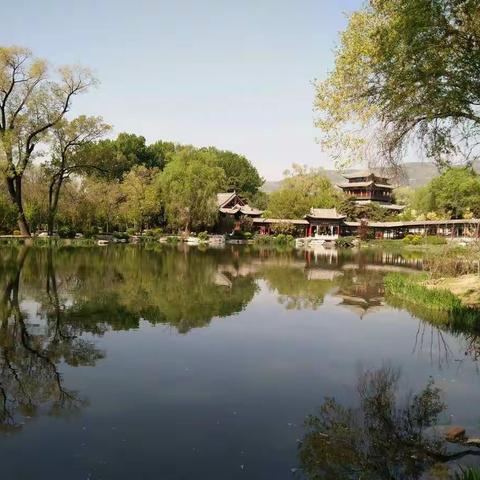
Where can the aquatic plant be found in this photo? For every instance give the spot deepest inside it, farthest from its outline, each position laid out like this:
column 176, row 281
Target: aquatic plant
column 468, row 474
column 436, row 305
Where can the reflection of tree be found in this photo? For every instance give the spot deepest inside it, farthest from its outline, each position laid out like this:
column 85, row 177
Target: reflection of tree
column 381, row 438
column 295, row 288
column 29, row 376
column 463, row 324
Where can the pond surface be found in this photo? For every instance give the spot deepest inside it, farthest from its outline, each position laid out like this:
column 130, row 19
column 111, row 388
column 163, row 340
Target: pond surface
column 174, row 363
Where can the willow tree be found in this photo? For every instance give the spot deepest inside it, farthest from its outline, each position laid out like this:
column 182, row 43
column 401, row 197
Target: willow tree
column 188, row 188
column 406, row 73
column 32, row 101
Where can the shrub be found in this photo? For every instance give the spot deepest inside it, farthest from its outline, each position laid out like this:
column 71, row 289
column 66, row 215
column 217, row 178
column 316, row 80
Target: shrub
column 120, row 235
column 435, row 240
column 281, row 239
column 17, row 233
column 282, row 228
column 344, row 242
column 173, row 239
column 65, row 231
column 264, row 239
column 131, row 231
column 412, row 239
column 203, row 236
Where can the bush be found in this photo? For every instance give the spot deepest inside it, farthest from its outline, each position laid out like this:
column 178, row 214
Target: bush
column 173, row 239
column 17, row 233
column 281, row 239
column 435, row 240
column 203, row 236
column 131, row 231
column 413, row 239
column 344, row 242
column 120, row 235
column 65, row 231
column 453, row 261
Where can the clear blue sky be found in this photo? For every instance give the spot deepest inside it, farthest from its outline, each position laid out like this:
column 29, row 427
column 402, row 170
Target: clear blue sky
column 234, row 74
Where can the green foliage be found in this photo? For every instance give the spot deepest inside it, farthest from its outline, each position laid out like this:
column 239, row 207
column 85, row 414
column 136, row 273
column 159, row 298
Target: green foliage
column 345, row 242
column 141, row 202
column 457, row 191
column 203, row 236
column 173, row 239
column 65, row 231
column 468, row 474
column 188, row 187
column 406, row 70
column 301, row 190
column 446, row 306
column 412, row 239
column 282, row 228
column 241, row 176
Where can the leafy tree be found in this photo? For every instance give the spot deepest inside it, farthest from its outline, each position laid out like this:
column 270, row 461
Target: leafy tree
column 241, row 175
column 31, row 103
column 66, row 139
column 301, row 190
column 405, row 70
column 456, row 191
column 188, row 188
column 141, row 201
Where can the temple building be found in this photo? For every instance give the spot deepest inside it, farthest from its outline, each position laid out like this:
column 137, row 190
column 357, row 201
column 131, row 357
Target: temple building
column 230, row 203
column 368, row 187
column 324, row 223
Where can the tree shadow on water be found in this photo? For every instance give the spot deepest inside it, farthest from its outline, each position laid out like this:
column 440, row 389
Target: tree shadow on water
column 382, row 438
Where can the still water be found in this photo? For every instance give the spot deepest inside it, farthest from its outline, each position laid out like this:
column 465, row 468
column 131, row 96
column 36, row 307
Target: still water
column 176, row 363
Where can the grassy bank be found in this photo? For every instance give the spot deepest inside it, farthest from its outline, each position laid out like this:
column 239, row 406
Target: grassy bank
column 436, row 305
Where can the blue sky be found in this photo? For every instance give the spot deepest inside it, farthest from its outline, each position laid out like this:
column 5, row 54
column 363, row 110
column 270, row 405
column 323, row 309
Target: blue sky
column 234, row 74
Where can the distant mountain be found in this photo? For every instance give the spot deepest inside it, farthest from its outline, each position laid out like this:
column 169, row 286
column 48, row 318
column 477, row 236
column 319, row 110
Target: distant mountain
column 415, row 174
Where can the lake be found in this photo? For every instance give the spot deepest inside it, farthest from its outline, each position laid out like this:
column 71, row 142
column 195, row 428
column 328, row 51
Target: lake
column 169, row 362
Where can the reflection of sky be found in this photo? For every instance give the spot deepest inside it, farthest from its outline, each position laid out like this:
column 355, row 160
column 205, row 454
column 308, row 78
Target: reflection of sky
column 233, row 394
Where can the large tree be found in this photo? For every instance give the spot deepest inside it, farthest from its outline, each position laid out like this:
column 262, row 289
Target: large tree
column 188, row 187
column 241, row 175
column 141, row 201
column 67, row 139
column 31, row 103
column 406, row 72
column 301, row 190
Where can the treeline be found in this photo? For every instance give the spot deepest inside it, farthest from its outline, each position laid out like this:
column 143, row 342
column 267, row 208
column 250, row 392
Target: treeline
column 63, row 174
column 125, row 183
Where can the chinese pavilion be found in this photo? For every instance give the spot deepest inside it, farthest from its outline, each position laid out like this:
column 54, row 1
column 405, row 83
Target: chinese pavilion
column 368, row 187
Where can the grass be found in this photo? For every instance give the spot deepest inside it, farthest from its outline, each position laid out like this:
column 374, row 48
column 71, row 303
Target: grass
column 433, row 304
column 468, row 474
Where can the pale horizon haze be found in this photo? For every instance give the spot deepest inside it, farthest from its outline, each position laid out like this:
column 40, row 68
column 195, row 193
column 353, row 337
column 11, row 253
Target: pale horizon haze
column 235, row 75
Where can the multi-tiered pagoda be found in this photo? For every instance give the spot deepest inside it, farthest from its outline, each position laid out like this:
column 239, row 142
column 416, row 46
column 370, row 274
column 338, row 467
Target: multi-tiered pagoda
column 368, row 187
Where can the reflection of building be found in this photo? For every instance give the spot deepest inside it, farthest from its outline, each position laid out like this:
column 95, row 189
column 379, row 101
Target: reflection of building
column 368, row 187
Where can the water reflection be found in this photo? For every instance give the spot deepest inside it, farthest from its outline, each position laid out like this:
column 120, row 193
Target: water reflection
column 383, row 437
column 55, row 302
column 32, row 345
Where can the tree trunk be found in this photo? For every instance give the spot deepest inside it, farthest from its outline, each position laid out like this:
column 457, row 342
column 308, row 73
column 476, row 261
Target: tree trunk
column 14, row 186
column 53, row 196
